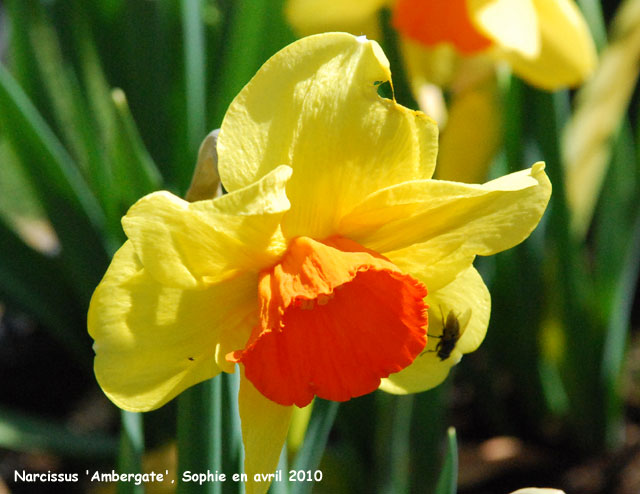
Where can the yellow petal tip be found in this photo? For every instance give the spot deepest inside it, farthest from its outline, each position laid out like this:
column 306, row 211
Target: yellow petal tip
column 538, row 167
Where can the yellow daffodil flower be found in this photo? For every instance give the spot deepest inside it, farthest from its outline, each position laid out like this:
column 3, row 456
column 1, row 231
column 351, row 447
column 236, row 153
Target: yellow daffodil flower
column 328, row 268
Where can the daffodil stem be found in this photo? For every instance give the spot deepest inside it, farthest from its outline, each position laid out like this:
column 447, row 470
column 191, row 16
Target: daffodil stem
column 429, row 422
column 394, row 445
column 308, row 458
column 233, row 459
column 131, row 449
column 283, row 466
column 200, row 435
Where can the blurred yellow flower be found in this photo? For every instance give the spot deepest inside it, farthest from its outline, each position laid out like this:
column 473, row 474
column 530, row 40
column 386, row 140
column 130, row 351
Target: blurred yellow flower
column 546, row 42
column 456, row 45
column 325, row 266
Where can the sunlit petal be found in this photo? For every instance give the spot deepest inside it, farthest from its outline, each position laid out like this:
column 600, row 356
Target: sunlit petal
column 189, row 245
column 454, row 217
column 468, row 298
column 314, row 106
column 264, row 430
column 152, row 342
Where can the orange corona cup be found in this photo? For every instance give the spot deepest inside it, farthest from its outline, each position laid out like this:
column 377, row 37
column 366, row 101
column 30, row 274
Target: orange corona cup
column 434, row 22
column 321, row 308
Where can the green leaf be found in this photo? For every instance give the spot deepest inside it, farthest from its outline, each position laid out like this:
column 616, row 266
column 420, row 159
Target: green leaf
column 572, row 285
column 243, row 53
column 66, row 197
column 448, row 481
column 22, row 432
column 616, row 263
column 25, row 276
column 128, row 170
column 194, row 77
column 135, row 170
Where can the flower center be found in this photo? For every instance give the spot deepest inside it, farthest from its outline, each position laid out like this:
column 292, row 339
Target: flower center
column 335, row 318
column 439, row 21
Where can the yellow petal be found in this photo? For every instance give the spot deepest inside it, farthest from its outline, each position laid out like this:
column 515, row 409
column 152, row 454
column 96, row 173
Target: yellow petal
column 468, row 297
column 456, row 219
column 510, row 24
column 567, row 52
column 314, row 106
column 188, row 245
column 153, row 342
column 439, row 266
column 264, row 430
column 472, row 136
column 318, row 16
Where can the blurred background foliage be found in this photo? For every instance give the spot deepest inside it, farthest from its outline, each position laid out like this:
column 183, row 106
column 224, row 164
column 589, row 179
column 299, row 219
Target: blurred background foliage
column 104, row 101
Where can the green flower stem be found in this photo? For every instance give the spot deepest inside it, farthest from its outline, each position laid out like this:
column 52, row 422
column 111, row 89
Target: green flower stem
column 131, row 450
column 200, row 435
column 233, row 458
column 308, row 458
column 393, row 442
column 429, row 422
column 283, row 466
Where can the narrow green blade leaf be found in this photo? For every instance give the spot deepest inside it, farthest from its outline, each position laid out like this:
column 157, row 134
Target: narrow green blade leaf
column 448, row 481
column 66, row 197
column 22, row 271
column 21, row 432
column 136, row 172
column 245, row 43
column 23, row 124
column 194, row 77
